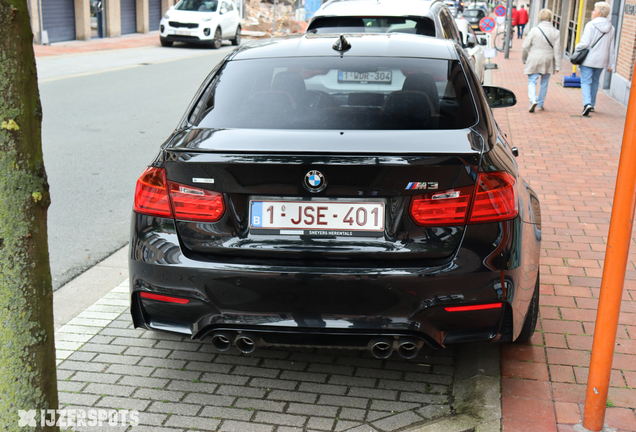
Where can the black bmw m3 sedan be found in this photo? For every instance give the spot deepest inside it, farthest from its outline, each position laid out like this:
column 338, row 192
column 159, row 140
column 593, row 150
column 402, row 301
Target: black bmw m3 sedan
column 324, row 190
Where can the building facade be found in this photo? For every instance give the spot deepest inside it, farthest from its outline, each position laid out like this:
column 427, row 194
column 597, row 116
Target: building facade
column 63, row 20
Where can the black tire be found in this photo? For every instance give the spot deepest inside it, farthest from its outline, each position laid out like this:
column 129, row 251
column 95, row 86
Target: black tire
column 500, row 40
column 530, row 324
column 237, row 37
column 218, row 38
column 166, row 43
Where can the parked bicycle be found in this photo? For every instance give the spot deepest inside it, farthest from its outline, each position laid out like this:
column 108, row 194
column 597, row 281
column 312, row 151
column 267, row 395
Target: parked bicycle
column 500, row 41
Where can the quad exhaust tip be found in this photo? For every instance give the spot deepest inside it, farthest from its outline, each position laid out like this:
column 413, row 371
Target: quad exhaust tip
column 408, row 348
column 246, row 342
column 222, row 341
column 382, row 348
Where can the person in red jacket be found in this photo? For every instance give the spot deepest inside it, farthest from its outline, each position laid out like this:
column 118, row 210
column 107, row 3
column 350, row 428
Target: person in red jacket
column 522, row 20
column 515, row 21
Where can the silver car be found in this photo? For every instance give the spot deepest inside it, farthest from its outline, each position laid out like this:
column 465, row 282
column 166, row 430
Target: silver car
column 474, row 47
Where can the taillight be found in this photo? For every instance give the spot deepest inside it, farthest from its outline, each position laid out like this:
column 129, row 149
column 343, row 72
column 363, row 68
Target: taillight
column 492, row 200
column 154, row 196
column 194, row 204
column 151, row 195
column 495, row 198
column 442, row 208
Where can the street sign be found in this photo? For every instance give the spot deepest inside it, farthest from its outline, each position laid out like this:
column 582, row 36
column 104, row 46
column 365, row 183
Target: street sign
column 500, row 10
column 501, row 20
column 490, row 53
column 487, row 24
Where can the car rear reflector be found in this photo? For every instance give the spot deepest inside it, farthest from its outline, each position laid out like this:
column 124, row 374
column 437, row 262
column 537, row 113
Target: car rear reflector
column 151, row 196
column 194, row 204
column 442, row 208
column 164, row 298
column 182, row 202
column 493, row 200
column 473, row 308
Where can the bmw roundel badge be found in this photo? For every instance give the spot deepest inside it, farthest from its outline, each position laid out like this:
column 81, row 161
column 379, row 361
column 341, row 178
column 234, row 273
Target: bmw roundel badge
column 315, row 181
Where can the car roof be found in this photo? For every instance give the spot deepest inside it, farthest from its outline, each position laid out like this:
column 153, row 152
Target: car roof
column 375, row 8
column 362, row 45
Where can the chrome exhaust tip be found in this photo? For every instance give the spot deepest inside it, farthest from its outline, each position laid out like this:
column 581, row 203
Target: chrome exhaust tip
column 222, row 341
column 382, row 348
column 408, row 348
column 246, row 342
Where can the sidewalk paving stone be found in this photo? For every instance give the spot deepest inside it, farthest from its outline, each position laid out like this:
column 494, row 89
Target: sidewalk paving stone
column 571, row 162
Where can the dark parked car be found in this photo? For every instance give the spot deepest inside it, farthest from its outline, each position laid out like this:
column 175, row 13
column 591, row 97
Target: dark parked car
column 474, row 16
column 325, row 191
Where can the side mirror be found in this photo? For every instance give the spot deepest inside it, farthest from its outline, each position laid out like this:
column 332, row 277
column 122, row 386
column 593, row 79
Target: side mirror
column 222, row 11
column 483, row 41
column 471, row 40
column 499, row 97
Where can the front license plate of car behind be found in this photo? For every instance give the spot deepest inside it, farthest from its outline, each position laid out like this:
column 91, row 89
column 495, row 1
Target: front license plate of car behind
column 315, row 218
column 184, row 32
column 379, row 77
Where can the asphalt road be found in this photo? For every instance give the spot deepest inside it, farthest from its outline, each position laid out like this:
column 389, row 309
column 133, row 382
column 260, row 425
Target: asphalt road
column 105, row 116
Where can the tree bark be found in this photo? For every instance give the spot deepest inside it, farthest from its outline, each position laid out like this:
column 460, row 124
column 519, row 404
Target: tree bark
column 27, row 351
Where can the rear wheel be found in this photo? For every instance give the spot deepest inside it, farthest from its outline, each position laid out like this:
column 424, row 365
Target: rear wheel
column 530, row 323
column 218, row 39
column 237, row 37
column 166, row 43
column 500, row 41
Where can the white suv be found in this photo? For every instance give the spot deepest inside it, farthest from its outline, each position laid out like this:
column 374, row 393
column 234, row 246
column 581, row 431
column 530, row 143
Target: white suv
column 428, row 18
column 202, row 22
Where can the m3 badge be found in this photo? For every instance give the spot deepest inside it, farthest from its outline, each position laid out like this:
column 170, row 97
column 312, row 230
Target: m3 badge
column 422, row 185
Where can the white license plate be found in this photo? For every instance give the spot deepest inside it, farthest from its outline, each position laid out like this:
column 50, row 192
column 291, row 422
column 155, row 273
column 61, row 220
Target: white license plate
column 382, row 77
column 332, row 218
column 184, row 32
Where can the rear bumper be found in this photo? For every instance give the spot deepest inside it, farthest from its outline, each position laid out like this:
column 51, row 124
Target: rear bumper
column 188, row 39
column 304, row 305
column 194, row 35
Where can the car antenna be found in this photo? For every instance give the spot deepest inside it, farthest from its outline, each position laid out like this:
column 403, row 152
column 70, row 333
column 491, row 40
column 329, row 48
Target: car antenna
column 342, row 44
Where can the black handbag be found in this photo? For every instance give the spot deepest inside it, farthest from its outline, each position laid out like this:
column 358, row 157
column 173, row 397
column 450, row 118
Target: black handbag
column 578, row 56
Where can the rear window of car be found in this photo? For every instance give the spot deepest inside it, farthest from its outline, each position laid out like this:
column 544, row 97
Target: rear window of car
column 474, row 13
column 357, row 24
column 197, row 5
column 348, row 93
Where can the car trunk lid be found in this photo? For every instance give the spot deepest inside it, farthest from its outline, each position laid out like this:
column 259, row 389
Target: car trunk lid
column 365, row 196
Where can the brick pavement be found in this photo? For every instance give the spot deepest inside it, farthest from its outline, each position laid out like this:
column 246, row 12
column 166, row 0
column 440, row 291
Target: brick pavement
column 178, row 384
column 571, row 162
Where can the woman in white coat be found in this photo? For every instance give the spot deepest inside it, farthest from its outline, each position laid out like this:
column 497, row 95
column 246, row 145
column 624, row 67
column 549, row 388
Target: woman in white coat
column 541, row 53
column 598, row 37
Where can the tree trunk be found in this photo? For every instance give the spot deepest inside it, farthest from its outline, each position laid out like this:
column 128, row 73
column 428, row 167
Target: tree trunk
column 27, row 352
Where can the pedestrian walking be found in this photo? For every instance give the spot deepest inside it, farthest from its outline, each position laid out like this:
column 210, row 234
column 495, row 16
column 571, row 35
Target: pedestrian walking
column 541, row 55
column 598, row 38
column 522, row 21
column 515, row 21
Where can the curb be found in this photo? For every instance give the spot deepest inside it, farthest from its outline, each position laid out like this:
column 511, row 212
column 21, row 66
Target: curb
column 477, row 391
column 74, row 297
